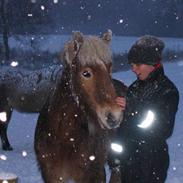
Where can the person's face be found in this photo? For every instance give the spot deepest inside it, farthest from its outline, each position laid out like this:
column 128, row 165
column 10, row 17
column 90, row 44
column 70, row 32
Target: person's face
column 142, row 71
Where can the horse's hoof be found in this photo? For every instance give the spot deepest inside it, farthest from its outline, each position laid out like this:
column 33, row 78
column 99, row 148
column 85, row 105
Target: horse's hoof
column 7, row 148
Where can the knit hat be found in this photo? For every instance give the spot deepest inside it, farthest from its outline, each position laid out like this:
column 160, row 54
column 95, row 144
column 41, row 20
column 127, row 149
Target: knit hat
column 146, row 50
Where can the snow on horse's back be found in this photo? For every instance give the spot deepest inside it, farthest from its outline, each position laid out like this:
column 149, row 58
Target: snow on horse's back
column 25, row 91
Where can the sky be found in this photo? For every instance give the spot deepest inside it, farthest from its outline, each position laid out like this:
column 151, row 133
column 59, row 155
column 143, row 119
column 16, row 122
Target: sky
column 21, row 161
column 124, row 17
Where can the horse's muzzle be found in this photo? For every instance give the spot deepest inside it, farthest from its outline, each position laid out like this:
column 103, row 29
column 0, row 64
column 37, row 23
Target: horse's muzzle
column 112, row 122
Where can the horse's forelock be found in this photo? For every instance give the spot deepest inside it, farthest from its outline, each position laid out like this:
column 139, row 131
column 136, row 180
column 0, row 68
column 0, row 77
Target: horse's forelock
column 94, row 51
column 91, row 51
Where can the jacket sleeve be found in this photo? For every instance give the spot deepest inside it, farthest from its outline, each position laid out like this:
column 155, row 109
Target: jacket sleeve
column 164, row 112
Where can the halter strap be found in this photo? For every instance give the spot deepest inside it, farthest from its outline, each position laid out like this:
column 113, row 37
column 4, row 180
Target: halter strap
column 73, row 93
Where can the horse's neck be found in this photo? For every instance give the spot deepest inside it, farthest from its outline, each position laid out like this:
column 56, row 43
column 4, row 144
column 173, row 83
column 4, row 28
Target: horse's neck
column 77, row 117
column 64, row 90
column 63, row 101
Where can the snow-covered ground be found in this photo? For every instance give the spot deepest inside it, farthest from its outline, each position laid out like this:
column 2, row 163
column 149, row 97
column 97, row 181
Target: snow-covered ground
column 54, row 43
column 22, row 162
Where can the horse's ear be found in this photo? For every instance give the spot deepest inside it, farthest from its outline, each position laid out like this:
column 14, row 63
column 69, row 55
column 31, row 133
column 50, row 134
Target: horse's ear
column 107, row 37
column 72, row 47
column 78, row 39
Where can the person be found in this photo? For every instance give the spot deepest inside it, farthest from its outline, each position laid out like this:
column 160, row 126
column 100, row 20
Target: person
column 150, row 107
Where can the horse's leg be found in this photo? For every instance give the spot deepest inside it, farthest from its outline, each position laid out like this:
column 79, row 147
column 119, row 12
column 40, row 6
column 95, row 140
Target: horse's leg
column 3, row 132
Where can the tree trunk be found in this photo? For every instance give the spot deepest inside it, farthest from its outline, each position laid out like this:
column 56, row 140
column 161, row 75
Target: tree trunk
column 5, row 28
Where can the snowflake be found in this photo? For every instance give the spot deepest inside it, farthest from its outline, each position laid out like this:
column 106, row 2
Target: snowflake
column 14, row 63
column 29, row 14
column 82, row 7
column 99, row 5
column 33, row 1
column 42, row 7
column 121, row 21
column 89, row 17
column 174, row 168
column 55, row 1
column 92, row 158
column 24, row 153
column 3, row 157
column 71, row 139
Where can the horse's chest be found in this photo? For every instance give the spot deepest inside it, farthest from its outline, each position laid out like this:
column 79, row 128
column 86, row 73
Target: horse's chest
column 88, row 153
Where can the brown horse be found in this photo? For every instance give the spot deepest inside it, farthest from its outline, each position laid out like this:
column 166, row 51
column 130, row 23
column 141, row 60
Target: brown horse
column 70, row 137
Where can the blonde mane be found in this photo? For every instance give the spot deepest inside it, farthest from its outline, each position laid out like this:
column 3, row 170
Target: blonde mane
column 89, row 49
column 94, row 50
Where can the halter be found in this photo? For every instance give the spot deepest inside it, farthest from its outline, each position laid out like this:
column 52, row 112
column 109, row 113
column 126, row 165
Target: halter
column 73, row 93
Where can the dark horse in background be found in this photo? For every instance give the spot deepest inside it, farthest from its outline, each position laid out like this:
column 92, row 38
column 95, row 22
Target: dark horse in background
column 71, row 138
column 25, row 91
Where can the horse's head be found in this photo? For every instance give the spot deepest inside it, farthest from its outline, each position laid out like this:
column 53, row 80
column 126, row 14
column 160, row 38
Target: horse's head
column 90, row 64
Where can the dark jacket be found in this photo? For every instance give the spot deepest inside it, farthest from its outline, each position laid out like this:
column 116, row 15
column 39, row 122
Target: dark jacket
column 158, row 95
column 146, row 148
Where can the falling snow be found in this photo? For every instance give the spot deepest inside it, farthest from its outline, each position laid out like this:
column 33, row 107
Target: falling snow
column 3, row 157
column 22, row 161
column 92, row 158
column 55, row 1
column 42, row 7
column 24, row 153
column 14, row 63
column 121, row 21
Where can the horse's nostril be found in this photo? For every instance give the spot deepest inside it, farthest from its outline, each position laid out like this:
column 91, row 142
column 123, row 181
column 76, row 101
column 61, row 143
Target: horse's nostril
column 111, row 120
column 110, row 116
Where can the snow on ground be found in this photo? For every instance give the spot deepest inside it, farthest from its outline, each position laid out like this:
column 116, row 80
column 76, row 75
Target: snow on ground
column 54, row 43
column 22, row 162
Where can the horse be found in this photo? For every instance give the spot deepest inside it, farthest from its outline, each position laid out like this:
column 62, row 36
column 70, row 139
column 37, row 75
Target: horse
column 71, row 136
column 25, row 91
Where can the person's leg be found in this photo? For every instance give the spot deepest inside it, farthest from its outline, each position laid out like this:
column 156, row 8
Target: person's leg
column 129, row 171
column 160, row 166
column 153, row 166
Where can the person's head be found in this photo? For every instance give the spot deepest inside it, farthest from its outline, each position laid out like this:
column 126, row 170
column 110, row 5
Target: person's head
column 144, row 55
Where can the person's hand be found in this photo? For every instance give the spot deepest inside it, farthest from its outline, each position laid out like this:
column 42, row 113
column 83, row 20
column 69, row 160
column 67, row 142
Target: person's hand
column 121, row 101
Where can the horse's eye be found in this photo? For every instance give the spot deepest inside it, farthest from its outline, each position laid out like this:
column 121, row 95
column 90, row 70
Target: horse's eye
column 86, row 74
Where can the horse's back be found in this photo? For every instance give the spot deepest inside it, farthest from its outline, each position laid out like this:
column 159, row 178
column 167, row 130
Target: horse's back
column 28, row 90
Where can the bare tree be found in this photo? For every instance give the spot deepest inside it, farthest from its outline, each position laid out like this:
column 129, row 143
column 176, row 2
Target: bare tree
column 5, row 28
